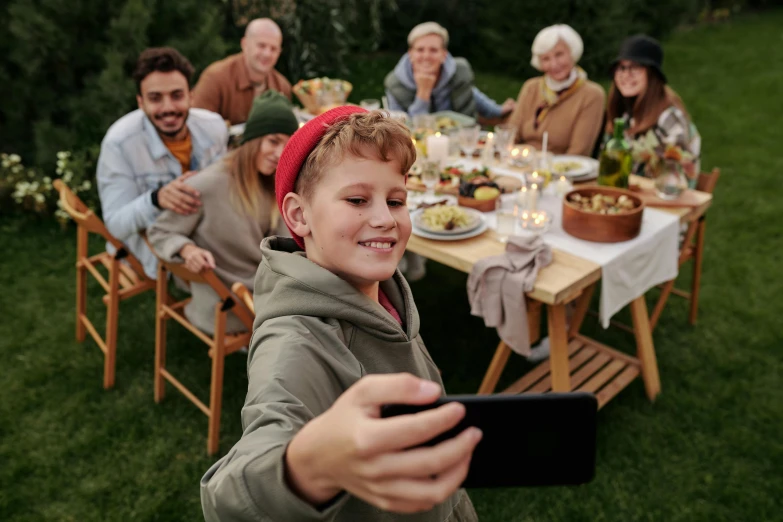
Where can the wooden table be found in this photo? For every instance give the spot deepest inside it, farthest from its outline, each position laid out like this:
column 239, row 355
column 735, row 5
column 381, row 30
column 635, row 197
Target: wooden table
column 576, row 362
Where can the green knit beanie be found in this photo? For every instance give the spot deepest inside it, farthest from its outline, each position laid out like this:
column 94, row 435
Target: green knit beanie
column 271, row 113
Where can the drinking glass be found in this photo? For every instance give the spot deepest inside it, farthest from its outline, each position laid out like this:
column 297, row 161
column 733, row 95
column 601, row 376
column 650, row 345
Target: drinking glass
column 506, row 223
column 425, row 122
column 468, row 139
column 370, row 104
column 430, row 176
column 504, row 140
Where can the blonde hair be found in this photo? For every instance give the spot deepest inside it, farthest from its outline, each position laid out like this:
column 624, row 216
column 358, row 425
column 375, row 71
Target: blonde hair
column 251, row 192
column 428, row 28
column 547, row 39
column 368, row 135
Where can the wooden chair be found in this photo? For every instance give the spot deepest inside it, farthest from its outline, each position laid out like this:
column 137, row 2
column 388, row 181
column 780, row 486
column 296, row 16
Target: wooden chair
column 126, row 277
column 245, row 295
column 220, row 344
column 692, row 248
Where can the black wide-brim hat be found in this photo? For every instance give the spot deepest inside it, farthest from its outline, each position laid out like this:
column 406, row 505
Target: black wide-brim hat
column 643, row 50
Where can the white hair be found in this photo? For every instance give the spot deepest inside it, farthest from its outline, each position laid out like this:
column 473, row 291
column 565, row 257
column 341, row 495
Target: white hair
column 547, row 38
column 428, row 28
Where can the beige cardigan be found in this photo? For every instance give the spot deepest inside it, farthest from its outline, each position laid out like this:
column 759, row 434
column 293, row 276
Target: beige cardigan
column 233, row 238
column 573, row 125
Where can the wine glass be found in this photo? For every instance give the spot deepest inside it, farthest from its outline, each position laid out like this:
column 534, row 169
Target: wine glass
column 430, row 176
column 468, row 139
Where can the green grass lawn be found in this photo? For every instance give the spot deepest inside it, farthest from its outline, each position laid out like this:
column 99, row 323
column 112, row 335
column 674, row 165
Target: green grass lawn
column 709, row 449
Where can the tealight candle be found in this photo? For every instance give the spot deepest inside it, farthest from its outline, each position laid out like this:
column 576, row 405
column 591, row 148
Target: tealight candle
column 438, row 148
column 534, row 221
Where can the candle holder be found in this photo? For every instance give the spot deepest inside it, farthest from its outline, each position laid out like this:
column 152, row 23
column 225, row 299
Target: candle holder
column 522, row 156
column 536, row 221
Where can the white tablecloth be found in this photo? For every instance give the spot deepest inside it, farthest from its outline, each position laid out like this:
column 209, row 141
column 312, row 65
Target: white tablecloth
column 628, row 269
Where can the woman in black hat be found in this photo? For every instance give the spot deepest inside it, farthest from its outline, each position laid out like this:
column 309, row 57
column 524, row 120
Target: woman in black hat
column 640, row 95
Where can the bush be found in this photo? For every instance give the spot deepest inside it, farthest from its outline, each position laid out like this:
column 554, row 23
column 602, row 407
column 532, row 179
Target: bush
column 30, row 190
column 66, row 65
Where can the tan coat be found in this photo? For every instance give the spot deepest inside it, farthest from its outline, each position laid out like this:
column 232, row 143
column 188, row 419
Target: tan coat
column 573, row 125
column 225, row 88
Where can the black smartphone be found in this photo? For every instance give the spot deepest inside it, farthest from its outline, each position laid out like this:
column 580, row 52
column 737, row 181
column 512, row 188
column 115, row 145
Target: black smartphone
column 528, row 440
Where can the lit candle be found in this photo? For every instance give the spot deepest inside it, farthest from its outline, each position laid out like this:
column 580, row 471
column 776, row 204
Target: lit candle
column 532, row 197
column 488, row 154
column 563, row 186
column 522, row 197
column 438, row 148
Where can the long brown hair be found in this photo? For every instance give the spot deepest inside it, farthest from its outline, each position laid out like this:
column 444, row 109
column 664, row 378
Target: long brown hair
column 647, row 107
column 252, row 193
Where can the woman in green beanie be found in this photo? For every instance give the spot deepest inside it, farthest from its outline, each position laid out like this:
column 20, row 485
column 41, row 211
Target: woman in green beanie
column 237, row 211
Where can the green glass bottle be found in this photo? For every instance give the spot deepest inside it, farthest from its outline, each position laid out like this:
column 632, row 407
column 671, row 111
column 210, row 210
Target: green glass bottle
column 615, row 164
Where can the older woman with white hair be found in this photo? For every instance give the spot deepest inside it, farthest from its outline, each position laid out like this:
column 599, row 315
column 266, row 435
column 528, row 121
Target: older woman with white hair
column 562, row 102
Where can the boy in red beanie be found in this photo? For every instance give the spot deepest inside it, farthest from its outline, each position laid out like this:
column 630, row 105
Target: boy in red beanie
column 336, row 337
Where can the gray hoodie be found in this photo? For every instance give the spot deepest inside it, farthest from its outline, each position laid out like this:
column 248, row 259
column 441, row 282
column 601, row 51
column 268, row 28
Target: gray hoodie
column 314, row 336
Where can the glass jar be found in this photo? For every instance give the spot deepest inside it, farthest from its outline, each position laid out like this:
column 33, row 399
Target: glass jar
column 669, row 179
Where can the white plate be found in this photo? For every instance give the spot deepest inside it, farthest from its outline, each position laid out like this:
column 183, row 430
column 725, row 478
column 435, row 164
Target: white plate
column 480, row 229
column 476, row 219
column 588, row 165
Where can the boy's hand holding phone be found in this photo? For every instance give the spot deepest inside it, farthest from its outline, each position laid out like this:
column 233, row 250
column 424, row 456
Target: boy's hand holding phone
column 351, row 448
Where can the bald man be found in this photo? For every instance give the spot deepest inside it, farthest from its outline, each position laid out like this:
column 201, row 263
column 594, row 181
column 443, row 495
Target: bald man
column 229, row 85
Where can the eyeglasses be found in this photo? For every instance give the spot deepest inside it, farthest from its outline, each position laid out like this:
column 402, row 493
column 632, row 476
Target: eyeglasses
column 634, row 68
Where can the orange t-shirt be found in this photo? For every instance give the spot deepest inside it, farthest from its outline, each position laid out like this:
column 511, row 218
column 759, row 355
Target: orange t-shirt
column 182, row 149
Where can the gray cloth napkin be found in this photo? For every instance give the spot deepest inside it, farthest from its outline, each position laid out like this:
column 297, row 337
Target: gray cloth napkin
column 497, row 286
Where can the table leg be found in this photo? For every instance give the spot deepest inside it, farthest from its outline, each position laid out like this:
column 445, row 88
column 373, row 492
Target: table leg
column 645, row 348
column 582, row 306
column 495, row 369
column 558, row 348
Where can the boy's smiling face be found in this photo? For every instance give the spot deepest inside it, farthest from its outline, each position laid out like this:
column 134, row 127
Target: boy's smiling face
column 356, row 222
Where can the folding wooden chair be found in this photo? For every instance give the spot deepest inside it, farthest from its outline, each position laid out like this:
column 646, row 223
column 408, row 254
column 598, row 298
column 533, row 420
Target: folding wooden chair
column 220, row 344
column 245, row 295
column 125, row 279
column 692, row 248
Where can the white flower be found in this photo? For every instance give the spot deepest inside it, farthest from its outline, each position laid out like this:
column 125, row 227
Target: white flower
column 16, row 169
column 68, row 176
column 39, row 198
column 60, row 164
column 62, row 155
column 61, row 215
column 34, row 186
column 47, row 180
column 59, row 204
column 86, row 185
column 6, row 163
column 59, row 171
column 14, row 158
column 23, row 185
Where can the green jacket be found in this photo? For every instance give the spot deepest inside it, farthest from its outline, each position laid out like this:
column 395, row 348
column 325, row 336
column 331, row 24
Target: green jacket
column 315, row 335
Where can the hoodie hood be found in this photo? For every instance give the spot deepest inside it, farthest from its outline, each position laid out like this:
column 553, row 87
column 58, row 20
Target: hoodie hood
column 404, row 71
column 289, row 284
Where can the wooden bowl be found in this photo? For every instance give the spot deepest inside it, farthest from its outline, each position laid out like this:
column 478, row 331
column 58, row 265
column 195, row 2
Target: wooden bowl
column 602, row 228
column 482, row 205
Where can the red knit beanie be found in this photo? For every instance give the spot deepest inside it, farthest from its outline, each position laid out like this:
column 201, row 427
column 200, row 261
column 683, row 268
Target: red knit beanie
column 299, row 147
